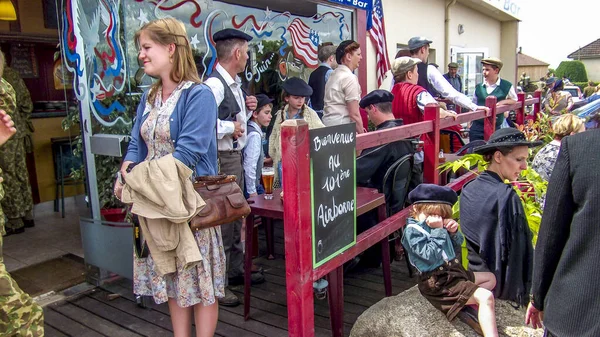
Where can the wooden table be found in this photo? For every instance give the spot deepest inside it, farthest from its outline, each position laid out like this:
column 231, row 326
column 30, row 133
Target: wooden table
column 367, row 199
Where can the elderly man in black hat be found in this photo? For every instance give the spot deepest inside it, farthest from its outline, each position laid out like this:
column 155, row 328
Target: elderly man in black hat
column 234, row 108
column 342, row 91
column 432, row 80
column 492, row 85
column 453, row 77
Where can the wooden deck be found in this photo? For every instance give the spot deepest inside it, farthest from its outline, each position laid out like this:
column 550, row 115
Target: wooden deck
column 95, row 314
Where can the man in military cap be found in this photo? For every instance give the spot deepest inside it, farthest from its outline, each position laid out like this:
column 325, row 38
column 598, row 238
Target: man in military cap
column 374, row 162
column 18, row 204
column 318, row 78
column 453, row 77
column 234, row 109
column 342, row 91
column 492, row 85
column 21, row 316
column 432, row 80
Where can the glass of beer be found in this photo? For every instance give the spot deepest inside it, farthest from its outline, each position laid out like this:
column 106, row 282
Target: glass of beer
column 268, row 174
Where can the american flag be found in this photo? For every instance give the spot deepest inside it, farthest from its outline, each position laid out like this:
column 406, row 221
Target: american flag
column 376, row 29
column 306, row 42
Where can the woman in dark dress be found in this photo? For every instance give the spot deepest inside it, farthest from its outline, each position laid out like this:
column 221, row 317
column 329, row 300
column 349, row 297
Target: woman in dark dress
column 493, row 220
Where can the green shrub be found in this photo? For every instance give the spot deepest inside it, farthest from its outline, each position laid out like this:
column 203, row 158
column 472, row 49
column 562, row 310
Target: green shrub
column 574, row 70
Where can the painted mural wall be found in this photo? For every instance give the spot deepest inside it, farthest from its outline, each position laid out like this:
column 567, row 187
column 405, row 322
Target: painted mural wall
column 99, row 48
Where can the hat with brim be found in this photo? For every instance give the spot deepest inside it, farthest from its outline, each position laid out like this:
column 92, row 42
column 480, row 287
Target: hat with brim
column 376, row 97
column 492, row 61
column 418, row 42
column 262, row 100
column 432, row 194
column 506, row 138
column 403, row 65
column 230, row 33
column 297, row 87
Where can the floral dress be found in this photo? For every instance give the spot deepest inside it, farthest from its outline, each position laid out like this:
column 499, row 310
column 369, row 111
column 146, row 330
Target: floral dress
column 204, row 282
column 544, row 162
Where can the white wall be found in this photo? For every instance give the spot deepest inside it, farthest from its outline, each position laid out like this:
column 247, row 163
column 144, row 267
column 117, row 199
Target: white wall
column 592, row 66
column 480, row 31
column 405, row 19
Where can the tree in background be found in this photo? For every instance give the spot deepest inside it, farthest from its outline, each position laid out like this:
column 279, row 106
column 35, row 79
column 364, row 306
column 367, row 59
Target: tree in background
column 573, row 70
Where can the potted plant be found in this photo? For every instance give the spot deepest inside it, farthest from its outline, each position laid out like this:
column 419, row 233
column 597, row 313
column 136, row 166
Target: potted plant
column 106, row 166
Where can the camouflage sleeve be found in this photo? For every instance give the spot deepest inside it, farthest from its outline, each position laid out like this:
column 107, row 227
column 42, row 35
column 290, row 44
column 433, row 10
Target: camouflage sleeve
column 7, row 98
column 23, row 98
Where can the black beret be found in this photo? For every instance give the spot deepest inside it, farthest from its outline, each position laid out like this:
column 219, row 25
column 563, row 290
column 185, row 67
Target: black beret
column 341, row 50
column 431, row 193
column 297, row 87
column 376, row 96
column 262, row 101
column 230, row 33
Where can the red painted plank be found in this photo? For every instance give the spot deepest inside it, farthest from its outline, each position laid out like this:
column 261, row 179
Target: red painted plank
column 521, row 110
column 431, row 148
column 298, row 227
column 377, row 138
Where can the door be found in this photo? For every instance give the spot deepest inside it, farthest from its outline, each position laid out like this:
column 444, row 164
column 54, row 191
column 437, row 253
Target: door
column 469, row 66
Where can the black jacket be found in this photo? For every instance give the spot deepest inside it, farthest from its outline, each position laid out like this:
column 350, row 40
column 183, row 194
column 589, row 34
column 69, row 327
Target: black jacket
column 566, row 275
column 498, row 238
column 374, row 162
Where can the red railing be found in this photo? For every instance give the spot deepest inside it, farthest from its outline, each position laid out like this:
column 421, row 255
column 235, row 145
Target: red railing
column 300, row 274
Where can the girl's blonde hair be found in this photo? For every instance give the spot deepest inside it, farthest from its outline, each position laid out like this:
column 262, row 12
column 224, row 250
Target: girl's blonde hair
column 443, row 210
column 566, row 125
column 164, row 32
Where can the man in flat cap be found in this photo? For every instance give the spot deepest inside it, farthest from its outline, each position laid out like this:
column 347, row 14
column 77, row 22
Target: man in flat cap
column 318, row 78
column 234, row 109
column 492, row 85
column 342, row 91
column 374, row 162
column 432, row 80
column 453, row 77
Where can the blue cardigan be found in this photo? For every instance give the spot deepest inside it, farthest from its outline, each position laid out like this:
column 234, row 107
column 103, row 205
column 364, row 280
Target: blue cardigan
column 193, row 124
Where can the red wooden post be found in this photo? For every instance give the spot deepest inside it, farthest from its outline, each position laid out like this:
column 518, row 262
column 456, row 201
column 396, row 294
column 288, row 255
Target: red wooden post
column 537, row 107
column 521, row 110
column 489, row 123
column 295, row 145
column 458, row 109
column 431, row 148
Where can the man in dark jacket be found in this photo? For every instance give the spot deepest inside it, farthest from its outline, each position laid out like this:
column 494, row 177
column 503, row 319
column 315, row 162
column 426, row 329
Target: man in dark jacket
column 565, row 285
column 374, row 162
column 453, row 77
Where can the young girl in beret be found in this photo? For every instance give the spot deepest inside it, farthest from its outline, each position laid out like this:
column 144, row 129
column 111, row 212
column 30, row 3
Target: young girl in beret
column 295, row 91
column 430, row 239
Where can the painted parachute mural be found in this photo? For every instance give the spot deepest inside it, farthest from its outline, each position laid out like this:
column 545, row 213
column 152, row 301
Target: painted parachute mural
column 98, row 46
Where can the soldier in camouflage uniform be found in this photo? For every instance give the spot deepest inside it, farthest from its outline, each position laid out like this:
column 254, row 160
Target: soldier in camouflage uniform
column 18, row 204
column 19, row 314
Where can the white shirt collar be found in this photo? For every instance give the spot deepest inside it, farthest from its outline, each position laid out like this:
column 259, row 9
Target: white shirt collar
column 227, row 77
column 492, row 85
column 344, row 68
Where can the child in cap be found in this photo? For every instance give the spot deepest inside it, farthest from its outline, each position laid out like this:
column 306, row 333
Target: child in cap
column 295, row 91
column 430, row 239
column 253, row 152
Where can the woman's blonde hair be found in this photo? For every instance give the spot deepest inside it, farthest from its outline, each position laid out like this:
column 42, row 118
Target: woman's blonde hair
column 164, row 32
column 566, row 125
column 443, row 210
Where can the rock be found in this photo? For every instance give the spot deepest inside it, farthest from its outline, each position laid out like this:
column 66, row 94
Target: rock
column 410, row 315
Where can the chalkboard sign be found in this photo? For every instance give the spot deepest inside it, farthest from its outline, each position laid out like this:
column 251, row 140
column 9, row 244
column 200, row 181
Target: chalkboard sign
column 333, row 190
column 23, row 60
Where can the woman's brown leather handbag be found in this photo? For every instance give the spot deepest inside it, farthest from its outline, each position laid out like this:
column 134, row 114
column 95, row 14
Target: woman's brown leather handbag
column 224, row 199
